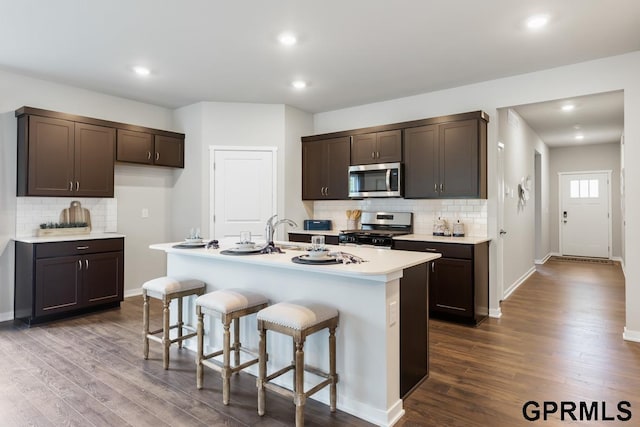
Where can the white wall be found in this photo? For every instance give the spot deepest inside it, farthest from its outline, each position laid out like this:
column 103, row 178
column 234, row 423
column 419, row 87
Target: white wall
column 603, row 75
column 239, row 124
column 520, row 146
column 18, row 91
column 587, row 158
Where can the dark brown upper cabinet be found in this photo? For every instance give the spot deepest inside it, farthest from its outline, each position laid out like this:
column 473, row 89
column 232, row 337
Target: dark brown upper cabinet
column 146, row 148
column 58, row 157
column 447, row 160
column 376, row 147
column 325, row 165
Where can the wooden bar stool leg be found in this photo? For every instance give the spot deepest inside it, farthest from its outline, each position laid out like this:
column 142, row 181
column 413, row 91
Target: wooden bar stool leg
column 332, row 369
column 165, row 332
column 226, row 354
column 262, row 368
column 200, row 356
column 293, row 362
column 180, row 322
column 145, row 324
column 299, row 398
column 236, row 341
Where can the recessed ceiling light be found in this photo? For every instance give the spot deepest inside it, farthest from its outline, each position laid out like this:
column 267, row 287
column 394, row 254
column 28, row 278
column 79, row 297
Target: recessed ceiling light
column 576, row 127
column 299, row 84
column 141, row 71
column 568, row 107
column 537, row 21
column 287, row 39
column 579, row 137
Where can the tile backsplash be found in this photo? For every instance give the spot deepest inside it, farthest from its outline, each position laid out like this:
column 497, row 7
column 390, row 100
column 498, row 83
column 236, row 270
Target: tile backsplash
column 471, row 212
column 33, row 211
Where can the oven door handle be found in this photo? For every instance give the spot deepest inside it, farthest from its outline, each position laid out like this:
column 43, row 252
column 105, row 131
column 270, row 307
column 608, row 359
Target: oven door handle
column 388, row 177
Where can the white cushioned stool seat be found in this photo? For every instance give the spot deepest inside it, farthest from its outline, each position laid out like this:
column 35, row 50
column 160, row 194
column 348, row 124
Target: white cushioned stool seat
column 229, row 300
column 168, row 285
column 167, row 289
column 297, row 314
column 297, row 319
column 230, row 305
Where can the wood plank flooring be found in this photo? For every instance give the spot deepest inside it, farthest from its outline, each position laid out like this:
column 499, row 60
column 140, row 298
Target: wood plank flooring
column 560, row 339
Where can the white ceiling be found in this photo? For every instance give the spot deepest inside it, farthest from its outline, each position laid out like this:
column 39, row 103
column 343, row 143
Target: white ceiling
column 351, row 52
column 598, row 118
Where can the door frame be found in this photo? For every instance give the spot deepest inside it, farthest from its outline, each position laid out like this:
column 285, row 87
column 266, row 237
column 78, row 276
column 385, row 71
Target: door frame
column 609, row 206
column 212, row 156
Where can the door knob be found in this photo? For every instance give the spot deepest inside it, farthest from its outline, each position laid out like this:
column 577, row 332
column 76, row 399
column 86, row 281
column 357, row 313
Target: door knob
column 502, row 232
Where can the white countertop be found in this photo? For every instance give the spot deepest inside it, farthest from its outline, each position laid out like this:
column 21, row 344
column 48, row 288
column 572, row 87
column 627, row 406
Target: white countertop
column 318, row 232
column 379, row 262
column 67, row 238
column 467, row 240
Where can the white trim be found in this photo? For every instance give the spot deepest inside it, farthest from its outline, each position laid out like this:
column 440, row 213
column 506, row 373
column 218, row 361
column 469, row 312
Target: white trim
column 610, row 210
column 518, row 282
column 274, row 184
column 133, row 292
column 496, row 313
column 6, row 316
column 544, row 259
column 629, row 335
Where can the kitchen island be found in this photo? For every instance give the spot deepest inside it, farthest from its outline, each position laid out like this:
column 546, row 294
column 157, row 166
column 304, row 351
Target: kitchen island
column 368, row 295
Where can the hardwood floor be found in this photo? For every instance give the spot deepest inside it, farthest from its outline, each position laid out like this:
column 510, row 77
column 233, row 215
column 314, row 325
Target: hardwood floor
column 560, row 339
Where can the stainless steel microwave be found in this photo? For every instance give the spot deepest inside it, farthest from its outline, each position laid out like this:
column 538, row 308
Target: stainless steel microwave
column 377, row 180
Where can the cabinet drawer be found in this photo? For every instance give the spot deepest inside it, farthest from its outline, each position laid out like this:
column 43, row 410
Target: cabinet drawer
column 78, row 247
column 448, row 250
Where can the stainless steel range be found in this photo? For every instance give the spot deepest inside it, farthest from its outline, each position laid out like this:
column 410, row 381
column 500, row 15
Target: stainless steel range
column 378, row 229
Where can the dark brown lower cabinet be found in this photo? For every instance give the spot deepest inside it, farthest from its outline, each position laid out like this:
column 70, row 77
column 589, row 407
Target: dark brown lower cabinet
column 59, row 279
column 414, row 327
column 458, row 282
column 306, row 238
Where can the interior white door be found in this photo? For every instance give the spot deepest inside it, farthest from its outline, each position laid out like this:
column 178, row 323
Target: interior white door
column 244, row 191
column 584, row 214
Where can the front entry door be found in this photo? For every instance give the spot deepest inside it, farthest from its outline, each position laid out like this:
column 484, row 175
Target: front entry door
column 244, row 190
column 584, row 214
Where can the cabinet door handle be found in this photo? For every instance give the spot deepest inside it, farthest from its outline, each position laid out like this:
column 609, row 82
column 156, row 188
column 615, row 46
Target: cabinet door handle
column 377, row 154
column 373, row 154
column 82, row 247
column 70, row 185
column 430, row 250
column 157, row 156
column 441, row 187
column 77, row 185
column 148, row 155
column 86, row 264
column 435, row 187
column 79, row 265
column 433, row 267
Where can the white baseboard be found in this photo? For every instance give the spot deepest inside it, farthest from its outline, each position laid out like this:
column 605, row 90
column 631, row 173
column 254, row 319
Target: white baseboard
column 133, row 292
column 545, row 259
column 496, row 313
column 621, row 261
column 518, row 282
column 6, row 316
column 629, row 335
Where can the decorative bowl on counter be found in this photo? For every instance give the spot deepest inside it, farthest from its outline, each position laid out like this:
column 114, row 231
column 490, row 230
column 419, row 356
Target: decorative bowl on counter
column 318, row 253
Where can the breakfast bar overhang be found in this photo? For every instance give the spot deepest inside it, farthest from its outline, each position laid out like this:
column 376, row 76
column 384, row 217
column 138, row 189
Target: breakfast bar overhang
column 367, row 295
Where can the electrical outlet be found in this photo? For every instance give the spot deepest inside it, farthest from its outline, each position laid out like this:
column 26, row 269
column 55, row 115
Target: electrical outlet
column 393, row 313
column 145, row 213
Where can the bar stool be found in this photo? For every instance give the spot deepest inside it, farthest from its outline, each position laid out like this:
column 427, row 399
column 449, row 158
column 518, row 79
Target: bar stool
column 230, row 305
column 167, row 289
column 298, row 319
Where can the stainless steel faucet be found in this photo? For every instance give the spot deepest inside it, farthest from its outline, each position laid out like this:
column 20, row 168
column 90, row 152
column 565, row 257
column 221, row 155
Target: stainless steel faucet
column 270, row 228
